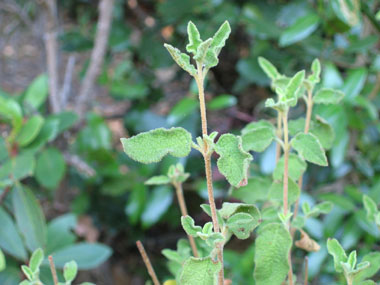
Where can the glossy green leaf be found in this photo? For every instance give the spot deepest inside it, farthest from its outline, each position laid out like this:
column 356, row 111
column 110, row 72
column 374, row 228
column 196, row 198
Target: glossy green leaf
column 11, row 110
column 182, row 59
column 301, row 29
column 347, row 10
column 37, row 92
column 309, row 147
column 60, row 232
column 328, row 96
column 242, row 224
column 29, row 217
column 158, row 180
column 271, row 254
column 221, row 102
column 10, row 239
column 296, row 167
column 50, row 168
column 152, row 146
column 233, row 162
column 199, row 271
column 295, row 83
column 189, row 226
column 30, row 130
column 18, row 167
column 335, row 249
column 86, row 255
column 354, row 83
column 70, row 270
column 184, row 108
column 316, row 71
column 269, row 69
column 218, row 42
column 194, row 38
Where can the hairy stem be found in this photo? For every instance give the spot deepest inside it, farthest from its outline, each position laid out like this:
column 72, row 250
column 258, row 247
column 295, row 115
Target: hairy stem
column 279, row 134
column 286, row 161
column 309, row 110
column 183, row 208
column 207, row 159
column 148, row 265
column 53, row 271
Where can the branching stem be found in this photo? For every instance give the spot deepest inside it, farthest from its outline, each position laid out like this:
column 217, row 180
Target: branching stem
column 183, row 208
column 207, row 159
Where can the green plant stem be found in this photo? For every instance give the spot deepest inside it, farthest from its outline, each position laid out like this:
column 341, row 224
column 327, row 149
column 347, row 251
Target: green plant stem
column 309, row 110
column 279, row 135
column 53, row 271
column 207, row 159
column 183, row 208
column 286, row 161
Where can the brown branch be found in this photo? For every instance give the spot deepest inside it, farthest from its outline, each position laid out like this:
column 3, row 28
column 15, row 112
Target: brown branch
column 52, row 54
column 53, row 271
column 66, row 87
column 148, row 265
column 97, row 56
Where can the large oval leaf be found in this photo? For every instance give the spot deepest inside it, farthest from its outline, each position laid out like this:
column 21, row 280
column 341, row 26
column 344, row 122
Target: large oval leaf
column 29, row 217
column 152, row 146
column 50, row 168
column 309, row 147
column 30, row 130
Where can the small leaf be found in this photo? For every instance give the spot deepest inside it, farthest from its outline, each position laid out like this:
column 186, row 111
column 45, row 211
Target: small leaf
column 316, row 69
column 228, row 209
column 50, row 168
column 328, row 96
column 233, row 162
column 37, row 92
column 374, row 266
column 182, row 59
column 152, row 146
column 258, row 138
column 199, row 271
column 352, row 258
column 194, row 38
column 296, row 167
column 269, row 69
column 323, row 131
column 206, row 208
column 370, row 207
column 301, row 29
column 309, row 147
column 321, row 208
column 3, row 264
column 271, row 254
column 242, row 224
column 28, row 272
column 218, row 42
column 70, row 270
column 276, row 191
column 202, row 50
column 36, row 260
column 335, row 249
column 30, row 130
column 293, row 86
column 158, row 180
column 189, row 226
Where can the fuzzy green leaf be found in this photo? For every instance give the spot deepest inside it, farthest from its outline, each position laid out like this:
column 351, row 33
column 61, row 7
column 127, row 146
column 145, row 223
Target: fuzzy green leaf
column 370, row 207
column 218, row 42
column 328, row 96
column 321, row 208
column 269, row 69
column 158, row 180
column 207, row 209
column 28, row 272
column 296, row 167
column 271, row 254
column 352, row 258
column 50, row 168
column 233, row 162
column 335, row 249
column 3, row 264
column 36, row 260
column 323, row 131
column 202, row 50
column 257, row 136
column 70, row 270
column 316, row 69
column 199, row 271
column 276, row 191
column 182, row 59
column 292, row 88
column 242, row 224
column 309, row 147
column 194, row 38
column 228, row 209
column 189, row 226
column 374, row 260
column 152, row 146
